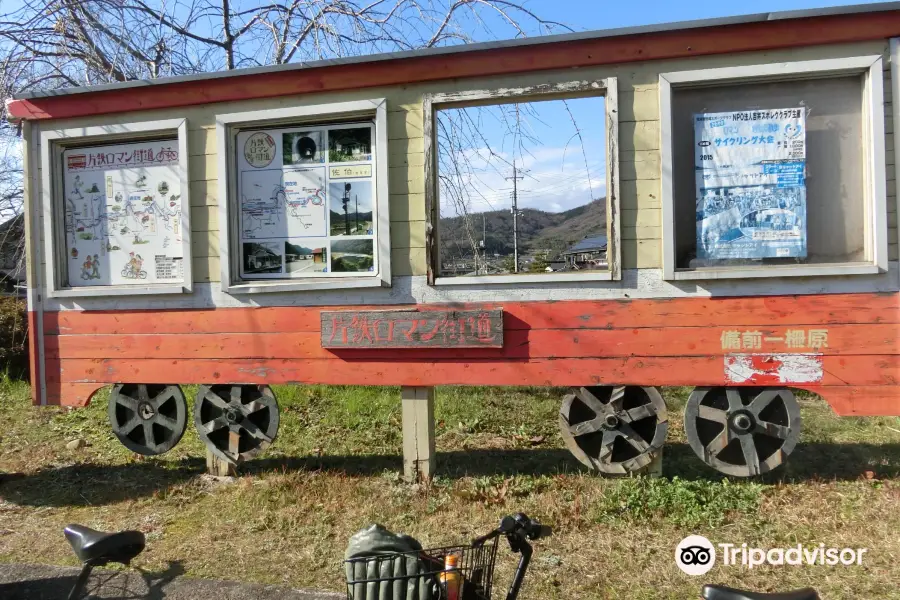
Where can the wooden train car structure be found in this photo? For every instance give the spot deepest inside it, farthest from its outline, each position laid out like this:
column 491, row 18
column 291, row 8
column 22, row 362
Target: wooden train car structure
column 284, row 225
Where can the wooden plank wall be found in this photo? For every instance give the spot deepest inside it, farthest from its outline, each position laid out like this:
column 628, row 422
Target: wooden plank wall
column 637, row 342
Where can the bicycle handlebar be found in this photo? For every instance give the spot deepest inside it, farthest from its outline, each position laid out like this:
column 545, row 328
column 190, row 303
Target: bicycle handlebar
column 520, row 523
column 519, row 529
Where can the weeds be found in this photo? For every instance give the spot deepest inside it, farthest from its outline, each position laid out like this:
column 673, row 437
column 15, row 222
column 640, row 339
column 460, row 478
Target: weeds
column 682, row 503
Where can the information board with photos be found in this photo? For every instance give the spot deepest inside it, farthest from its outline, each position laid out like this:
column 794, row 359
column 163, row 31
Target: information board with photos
column 307, row 201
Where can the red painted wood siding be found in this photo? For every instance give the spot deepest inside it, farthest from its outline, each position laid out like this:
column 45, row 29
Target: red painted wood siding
column 645, row 342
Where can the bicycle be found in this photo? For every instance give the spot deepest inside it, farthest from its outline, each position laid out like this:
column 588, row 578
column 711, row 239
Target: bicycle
column 423, row 568
column 98, row 548
column 131, row 273
column 476, row 568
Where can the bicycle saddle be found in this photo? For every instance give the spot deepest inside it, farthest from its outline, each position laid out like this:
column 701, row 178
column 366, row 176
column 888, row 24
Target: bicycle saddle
column 720, row 592
column 99, row 548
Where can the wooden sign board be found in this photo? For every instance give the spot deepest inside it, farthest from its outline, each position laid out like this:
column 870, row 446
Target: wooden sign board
column 413, row 329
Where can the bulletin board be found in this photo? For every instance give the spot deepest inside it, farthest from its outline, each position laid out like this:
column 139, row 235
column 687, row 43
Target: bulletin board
column 123, row 214
column 307, row 201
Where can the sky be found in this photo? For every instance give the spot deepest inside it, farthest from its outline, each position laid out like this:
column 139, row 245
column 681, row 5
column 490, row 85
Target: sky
column 563, row 172
column 558, row 153
column 583, row 15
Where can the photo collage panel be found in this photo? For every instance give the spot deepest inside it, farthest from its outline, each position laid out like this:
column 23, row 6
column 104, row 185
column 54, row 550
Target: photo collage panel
column 307, row 201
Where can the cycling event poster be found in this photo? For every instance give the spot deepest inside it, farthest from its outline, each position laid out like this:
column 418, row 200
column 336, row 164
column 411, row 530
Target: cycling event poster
column 123, row 214
column 751, row 184
column 307, row 205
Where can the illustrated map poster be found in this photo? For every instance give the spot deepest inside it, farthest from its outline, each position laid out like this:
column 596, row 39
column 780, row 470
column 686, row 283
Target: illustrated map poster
column 751, row 184
column 123, row 214
column 307, row 201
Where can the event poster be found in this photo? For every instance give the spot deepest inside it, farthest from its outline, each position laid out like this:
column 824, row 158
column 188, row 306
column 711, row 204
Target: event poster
column 751, row 184
column 123, row 214
column 307, row 201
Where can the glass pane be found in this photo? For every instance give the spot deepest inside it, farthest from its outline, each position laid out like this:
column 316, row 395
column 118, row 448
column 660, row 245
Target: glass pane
column 123, row 214
column 302, row 188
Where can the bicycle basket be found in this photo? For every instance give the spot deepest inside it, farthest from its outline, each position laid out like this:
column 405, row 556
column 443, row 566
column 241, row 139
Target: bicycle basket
column 416, row 575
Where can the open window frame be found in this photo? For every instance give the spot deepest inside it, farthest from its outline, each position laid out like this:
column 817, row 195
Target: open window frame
column 874, row 175
column 57, row 141
column 607, row 89
column 227, row 128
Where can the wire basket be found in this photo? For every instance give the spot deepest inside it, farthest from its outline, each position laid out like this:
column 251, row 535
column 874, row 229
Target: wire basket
column 416, row 575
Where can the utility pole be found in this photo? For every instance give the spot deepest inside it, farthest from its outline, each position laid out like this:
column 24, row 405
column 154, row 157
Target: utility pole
column 483, row 244
column 515, row 215
column 345, row 200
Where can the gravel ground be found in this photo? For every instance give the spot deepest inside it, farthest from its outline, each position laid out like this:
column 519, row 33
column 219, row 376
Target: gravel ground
column 39, row 582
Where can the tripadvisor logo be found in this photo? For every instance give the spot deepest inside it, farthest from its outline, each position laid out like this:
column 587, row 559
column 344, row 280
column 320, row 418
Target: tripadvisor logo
column 696, row 555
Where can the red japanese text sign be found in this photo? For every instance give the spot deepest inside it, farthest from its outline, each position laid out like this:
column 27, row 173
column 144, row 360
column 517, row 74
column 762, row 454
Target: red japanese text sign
column 413, row 329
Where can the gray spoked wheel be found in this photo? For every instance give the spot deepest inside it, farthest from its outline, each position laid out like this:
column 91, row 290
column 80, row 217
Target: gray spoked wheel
column 742, row 431
column 614, row 430
column 236, row 422
column 147, row 418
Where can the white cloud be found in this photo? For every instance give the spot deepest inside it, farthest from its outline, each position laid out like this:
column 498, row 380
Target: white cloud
column 554, row 179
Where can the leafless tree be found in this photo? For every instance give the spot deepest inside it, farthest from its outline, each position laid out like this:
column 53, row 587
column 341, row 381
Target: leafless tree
column 53, row 44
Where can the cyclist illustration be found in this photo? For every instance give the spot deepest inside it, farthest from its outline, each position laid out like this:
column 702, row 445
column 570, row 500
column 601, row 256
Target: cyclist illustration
column 166, row 154
column 133, row 269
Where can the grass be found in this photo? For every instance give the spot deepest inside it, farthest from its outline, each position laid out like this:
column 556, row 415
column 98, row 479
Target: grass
column 334, row 469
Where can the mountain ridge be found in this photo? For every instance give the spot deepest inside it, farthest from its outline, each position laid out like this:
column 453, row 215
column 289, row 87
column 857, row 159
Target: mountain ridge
column 539, row 231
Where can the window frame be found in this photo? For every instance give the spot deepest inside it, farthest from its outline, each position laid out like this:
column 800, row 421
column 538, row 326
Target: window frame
column 875, row 174
column 227, row 128
column 433, row 102
column 54, row 143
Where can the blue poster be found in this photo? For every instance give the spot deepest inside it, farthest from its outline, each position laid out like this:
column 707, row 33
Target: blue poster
column 751, row 184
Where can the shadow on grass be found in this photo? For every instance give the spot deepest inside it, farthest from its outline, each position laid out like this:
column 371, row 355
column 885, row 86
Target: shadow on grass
column 846, row 462
column 89, row 484
column 133, row 584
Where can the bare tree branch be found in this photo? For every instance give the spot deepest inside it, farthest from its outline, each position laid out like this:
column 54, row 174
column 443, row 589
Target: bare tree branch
column 54, row 44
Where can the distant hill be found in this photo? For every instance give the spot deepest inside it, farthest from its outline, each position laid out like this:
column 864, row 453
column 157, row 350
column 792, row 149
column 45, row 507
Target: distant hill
column 538, row 230
column 298, row 250
column 338, row 217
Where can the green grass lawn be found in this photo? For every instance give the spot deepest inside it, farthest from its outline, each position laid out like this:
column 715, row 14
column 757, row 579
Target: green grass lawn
column 334, row 469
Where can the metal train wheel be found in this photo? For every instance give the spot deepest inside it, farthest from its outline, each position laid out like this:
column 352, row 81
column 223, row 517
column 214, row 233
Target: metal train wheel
column 236, row 422
column 147, row 418
column 742, row 431
column 614, row 430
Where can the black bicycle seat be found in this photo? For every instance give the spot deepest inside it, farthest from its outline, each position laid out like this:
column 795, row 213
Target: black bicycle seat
column 720, row 592
column 99, row 548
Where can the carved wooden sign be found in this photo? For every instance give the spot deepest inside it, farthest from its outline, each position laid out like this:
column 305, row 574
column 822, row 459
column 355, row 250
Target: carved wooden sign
column 413, row 329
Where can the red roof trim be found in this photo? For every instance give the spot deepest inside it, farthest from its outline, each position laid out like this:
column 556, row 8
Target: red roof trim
column 745, row 37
